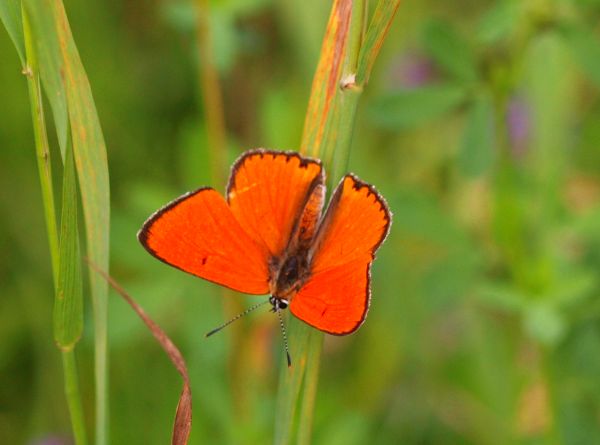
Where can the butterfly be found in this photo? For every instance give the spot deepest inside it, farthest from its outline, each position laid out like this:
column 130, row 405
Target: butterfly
column 269, row 236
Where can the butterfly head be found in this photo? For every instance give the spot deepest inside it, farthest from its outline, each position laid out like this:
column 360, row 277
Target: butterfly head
column 278, row 303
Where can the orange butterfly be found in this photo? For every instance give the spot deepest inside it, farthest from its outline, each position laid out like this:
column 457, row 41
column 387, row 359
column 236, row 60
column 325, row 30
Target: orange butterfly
column 268, row 237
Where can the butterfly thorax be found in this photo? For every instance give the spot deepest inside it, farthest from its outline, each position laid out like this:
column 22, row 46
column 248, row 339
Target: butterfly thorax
column 289, row 274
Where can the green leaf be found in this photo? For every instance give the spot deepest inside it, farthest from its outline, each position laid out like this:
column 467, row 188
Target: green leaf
column 51, row 65
column 503, row 297
column 92, row 168
column 309, row 392
column 68, row 305
column 477, row 151
column 409, row 108
column 545, row 323
column 549, row 67
column 499, row 22
column 585, row 46
column 450, row 51
column 60, row 62
column 10, row 14
column 290, row 379
column 374, row 38
column 319, row 117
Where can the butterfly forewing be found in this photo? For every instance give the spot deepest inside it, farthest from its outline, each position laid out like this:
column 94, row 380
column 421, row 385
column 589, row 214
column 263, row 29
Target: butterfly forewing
column 267, row 193
column 199, row 234
column 335, row 298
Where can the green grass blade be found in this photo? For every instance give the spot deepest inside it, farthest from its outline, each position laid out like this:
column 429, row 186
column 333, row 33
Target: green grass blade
column 51, row 65
column 376, row 33
column 326, row 81
column 318, row 130
column 10, row 15
column 61, row 62
column 74, row 397
column 309, row 391
column 290, row 380
column 66, row 259
column 42, row 147
column 327, row 134
column 68, row 305
column 92, row 167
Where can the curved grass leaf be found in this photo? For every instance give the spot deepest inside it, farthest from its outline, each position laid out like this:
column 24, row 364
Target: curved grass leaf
column 10, row 15
column 376, row 33
column 183, row 415
column 42, row 146
column 92, row 167
column 70, row 95
column 51, row 64
column 64, row 252
column 326, row 81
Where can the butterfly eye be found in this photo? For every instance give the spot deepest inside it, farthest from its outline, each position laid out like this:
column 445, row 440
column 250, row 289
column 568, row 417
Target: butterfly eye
column 278, row 303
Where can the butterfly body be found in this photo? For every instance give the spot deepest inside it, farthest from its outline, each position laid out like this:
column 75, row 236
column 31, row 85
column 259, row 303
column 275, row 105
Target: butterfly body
column 270, row 236
column 290, row 277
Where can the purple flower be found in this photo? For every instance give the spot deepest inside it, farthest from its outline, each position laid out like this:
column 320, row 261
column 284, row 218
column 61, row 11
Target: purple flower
column 518, row 122
column 412, row 70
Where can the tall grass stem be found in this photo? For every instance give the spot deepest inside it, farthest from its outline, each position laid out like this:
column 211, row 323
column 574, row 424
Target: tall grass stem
column 31, row 72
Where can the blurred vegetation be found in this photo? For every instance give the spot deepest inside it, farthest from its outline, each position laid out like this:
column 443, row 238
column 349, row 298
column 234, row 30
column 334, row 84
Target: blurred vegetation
column 481, row 127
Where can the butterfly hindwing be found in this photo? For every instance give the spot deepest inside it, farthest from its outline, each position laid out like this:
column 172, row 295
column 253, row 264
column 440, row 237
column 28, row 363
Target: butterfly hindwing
column 268, row 191
column 335, row 298
column 199, row 234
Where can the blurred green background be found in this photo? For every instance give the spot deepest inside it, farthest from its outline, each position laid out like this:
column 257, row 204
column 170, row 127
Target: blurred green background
column 481, row 127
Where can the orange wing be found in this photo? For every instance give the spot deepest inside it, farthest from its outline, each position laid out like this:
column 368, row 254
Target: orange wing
column 199, row 234
column 335, row 299
column 268, row 191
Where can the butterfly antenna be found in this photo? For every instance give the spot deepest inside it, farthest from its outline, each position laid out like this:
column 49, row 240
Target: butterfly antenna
column 285, row 342
column 237, row 317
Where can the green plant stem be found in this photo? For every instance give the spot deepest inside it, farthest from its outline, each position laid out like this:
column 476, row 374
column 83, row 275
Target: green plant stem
column 290, row 380
column 100, row 311
column 211, row 95
column 44, row 168
column 41, row 144
column 73, row 396
column 333, row 147
column 336, row 150
column 339, row 140
column 347, row 103
column 553, row 435
column 309, row 395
